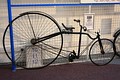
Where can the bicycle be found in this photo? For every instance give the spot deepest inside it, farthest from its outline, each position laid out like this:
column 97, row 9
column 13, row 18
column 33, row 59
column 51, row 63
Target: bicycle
column 117, row 42
column 38, row 35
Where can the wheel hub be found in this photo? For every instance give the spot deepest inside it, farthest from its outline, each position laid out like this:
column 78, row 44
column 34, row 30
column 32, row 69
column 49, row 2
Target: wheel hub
column 33, row 41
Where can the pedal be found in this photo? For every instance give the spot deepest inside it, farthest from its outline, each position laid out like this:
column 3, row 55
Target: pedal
column 72, row 56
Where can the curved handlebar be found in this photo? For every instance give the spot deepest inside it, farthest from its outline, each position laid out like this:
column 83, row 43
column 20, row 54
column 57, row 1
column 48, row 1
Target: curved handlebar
column 77, row 20
column 83, row 27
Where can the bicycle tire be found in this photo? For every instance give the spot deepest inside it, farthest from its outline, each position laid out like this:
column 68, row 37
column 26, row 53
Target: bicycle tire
column 28, row 26
column 117, row 44
column 97, row 57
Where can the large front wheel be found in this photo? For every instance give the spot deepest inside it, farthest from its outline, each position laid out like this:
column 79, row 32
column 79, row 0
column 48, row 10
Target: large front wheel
column 99, row 58
column 30, row 26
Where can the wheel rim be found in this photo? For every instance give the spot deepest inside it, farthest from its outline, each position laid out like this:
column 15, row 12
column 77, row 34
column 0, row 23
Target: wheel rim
column 26, row 27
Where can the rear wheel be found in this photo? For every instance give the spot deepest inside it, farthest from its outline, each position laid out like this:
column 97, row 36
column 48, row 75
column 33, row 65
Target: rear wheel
column 99, row 58
column 30, row 26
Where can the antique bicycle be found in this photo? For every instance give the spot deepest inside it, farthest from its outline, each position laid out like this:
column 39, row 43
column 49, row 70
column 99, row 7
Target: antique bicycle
column 38, row 42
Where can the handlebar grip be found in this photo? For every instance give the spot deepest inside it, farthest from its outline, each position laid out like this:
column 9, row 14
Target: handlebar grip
column 76, row 20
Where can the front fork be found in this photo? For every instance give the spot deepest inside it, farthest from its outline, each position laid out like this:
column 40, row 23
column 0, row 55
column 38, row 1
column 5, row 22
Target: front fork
column 100, row 44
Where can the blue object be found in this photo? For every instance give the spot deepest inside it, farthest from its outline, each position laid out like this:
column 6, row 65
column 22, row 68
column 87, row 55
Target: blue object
column 75, row 4
column 11, row 36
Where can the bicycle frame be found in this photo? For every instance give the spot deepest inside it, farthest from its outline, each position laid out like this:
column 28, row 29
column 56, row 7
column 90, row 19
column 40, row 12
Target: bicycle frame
column 35, row 41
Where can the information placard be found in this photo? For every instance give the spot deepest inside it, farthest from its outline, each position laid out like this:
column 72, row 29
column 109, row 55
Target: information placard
column 89, row 20
column 34, row 57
